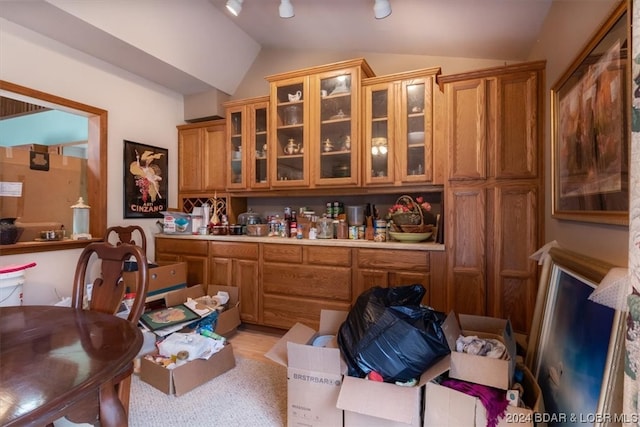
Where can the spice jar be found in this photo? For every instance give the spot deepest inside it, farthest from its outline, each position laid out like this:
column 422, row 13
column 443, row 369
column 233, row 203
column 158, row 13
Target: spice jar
column 343, row 229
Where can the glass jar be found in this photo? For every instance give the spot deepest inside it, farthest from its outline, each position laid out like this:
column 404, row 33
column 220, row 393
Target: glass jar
column 325, row 227
column 343, row 229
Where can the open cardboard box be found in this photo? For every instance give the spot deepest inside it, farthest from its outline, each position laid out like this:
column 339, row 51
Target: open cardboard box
column 445, row 406
column 371, row 403
column 182, row 379
column 314, row 373
column 479, row 369
column 228, row 320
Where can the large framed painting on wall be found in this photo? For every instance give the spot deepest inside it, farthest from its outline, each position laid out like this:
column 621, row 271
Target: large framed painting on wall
column 145, row 180
column 576, row 347
column 590, row 129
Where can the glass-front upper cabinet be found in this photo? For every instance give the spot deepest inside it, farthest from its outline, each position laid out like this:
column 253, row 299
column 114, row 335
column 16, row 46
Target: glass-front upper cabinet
column 247, row 137
column 258, row 137
column 315, row 126
column 415, row 141
column 236, row 177
column 289, row 151
column 335, row 161
column 398, row 128
column 379, row 132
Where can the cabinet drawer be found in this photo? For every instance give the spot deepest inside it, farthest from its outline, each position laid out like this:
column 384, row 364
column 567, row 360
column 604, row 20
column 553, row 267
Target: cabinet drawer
column 234, row 250
column 325, row 255
column 284, row 312
column 282, row 253
column 393, row 259
column 308, row 281
column 182, row 246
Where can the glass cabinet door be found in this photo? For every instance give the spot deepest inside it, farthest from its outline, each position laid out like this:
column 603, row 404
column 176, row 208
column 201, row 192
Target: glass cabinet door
column 259, row 177
column 289, row 151
column 379, row 134
column 236, row 162
column 335, row 159
column 416, row 149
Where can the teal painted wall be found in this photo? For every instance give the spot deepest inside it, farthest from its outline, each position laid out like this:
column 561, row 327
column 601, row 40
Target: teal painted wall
column 46, row 128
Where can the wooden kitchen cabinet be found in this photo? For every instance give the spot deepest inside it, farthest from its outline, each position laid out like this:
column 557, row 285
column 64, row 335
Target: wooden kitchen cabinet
column 201, row 157
column 299, row 281
column 399, row 128
column 247, row 143
column 389, row 268
column 315, row 126
column 494, row 202
column 193, row 252
column 236, row 264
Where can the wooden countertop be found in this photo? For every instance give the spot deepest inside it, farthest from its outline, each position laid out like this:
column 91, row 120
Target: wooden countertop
column 421, row 246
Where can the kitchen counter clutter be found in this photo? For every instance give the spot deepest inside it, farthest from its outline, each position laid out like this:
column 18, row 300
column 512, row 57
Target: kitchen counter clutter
column 350, row 243
column 283, row 281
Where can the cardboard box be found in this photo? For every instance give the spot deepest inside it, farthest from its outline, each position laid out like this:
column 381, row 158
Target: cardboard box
column 445, row 406
column 479, row 369
column 314, row 373
column 228, row 320
column 370, row 403
column 162, row 279
column 185, row 378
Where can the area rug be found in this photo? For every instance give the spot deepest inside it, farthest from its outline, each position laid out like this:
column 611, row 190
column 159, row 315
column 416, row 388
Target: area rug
column 254, row 393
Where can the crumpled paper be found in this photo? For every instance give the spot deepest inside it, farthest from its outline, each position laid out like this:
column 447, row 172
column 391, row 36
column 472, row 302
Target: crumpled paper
column 198, row 346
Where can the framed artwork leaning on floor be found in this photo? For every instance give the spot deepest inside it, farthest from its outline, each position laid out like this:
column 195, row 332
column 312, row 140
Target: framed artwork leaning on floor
column 576, row 345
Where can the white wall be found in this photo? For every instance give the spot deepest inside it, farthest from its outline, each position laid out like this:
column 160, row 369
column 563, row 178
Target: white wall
column 138, row 111
column 562, row 38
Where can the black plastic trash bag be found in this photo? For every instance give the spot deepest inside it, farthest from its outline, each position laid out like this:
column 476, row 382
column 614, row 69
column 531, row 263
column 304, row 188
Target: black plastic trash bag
column 387, row 331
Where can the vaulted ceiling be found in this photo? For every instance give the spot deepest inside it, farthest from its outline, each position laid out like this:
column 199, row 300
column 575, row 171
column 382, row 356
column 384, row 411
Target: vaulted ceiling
column 193, row 46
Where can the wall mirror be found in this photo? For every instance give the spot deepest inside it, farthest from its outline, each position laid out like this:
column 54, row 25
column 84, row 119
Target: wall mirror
column 45, row 196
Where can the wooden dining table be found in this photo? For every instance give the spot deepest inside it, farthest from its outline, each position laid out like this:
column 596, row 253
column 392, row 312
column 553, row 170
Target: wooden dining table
column 53, row 359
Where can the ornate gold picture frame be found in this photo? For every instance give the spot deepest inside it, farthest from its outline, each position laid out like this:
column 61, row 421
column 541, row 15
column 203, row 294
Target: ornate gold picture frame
column 590, row 129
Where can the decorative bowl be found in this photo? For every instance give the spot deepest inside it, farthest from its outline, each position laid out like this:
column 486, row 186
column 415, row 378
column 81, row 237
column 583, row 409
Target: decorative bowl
column 410, row 237
column 415, row 138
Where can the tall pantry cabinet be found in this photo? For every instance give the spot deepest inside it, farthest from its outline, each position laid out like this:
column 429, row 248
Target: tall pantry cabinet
column 494, row 201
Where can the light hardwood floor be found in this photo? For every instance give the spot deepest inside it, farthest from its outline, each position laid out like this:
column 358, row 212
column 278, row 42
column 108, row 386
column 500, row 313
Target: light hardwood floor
column 254, row 341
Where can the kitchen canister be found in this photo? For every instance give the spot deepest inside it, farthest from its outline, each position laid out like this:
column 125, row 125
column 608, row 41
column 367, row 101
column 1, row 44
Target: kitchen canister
column 380, row 230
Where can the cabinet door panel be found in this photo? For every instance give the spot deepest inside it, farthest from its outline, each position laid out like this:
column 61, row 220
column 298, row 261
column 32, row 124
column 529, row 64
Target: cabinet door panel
column 512, row 275
column 246, row 278
column 368, row 278
column 213, row 158
column 221, row 271
column 189, row 152
column 466, row 128
column 516, row 150
column 466, row 239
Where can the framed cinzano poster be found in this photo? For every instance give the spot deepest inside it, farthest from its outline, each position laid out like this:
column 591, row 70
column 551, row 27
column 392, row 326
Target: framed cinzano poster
column 145, row 180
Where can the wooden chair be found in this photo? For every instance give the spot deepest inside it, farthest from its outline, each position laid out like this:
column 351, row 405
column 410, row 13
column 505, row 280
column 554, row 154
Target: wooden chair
column 126, row 235
column 109, row 289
